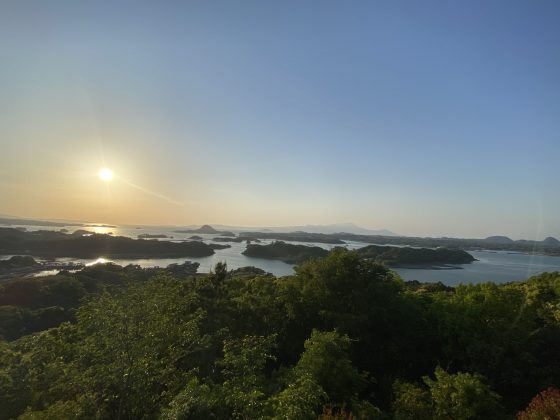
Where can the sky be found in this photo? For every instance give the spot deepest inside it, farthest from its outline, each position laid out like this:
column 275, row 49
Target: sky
column 432, row 118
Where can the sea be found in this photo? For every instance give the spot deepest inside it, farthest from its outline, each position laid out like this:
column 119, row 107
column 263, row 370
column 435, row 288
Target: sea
column 495, row 266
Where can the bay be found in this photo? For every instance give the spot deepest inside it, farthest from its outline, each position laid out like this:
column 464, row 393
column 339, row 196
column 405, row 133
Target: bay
column 495, row 266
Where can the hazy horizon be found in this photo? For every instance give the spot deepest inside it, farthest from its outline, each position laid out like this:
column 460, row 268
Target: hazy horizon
column 316, row 227
column 431, row 119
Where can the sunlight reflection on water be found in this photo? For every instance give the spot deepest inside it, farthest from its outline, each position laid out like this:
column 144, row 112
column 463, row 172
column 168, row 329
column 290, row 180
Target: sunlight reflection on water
column 495, row 266
column 98, row 261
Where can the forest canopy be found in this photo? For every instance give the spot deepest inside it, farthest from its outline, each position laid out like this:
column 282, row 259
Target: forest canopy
column 343, row 335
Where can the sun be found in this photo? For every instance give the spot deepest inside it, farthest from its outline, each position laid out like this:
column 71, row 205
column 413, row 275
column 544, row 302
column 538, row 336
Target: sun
column 105, row 174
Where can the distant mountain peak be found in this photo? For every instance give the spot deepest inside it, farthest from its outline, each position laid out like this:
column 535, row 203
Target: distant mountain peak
column 326, row 229
column 497, row 239
column 205, row 229
column 551, row 241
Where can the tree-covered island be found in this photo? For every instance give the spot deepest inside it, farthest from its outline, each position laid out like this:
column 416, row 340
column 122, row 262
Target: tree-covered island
column 391, row 256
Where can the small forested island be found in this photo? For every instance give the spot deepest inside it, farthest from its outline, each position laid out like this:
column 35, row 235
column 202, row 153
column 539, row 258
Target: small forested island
column 342, row 338
column 153, row 236
column 227, row 239
column 219, row 246
column 88, row 245
column 289, row 253
column 407, row 257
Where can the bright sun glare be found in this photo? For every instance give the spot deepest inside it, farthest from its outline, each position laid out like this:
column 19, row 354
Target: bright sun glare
column 105, row 174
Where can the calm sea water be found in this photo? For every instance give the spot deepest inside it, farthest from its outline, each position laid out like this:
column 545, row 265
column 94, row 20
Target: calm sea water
column 499, row 267
column 495, row 266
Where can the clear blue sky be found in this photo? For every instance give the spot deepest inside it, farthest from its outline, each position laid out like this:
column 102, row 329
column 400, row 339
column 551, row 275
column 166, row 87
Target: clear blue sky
column 426, row 118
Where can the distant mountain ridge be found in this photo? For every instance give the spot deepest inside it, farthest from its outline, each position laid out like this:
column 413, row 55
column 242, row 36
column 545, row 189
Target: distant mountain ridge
column 548, row 241
column 337, row 228
column 326, row 229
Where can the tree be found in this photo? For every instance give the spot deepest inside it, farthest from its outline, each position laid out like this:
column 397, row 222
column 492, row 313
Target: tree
column 364, row 300
column 460, row 396
column 139, row 347
column 243, row 370
column 301, row 399
column 492, row 330
column 412, row 402
column 326, row 360
column 197, row 401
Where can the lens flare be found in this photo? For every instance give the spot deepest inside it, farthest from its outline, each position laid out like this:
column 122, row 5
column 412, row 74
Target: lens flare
column 105, row 174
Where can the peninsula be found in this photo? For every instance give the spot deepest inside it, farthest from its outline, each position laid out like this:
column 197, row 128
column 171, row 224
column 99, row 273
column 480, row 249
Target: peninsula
column 59, row 244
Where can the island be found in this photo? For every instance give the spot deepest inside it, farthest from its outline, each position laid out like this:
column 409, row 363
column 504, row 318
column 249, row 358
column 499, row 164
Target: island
column 289, row 253
column 407, row 257
column 548, row 246
column 153, row 236
column 226, row 239
column 219, row 246
column 391, row 256
column 59, row 244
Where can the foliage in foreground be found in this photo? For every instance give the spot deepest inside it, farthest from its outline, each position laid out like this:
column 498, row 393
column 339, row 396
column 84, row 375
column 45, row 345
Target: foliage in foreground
column 343, row 338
